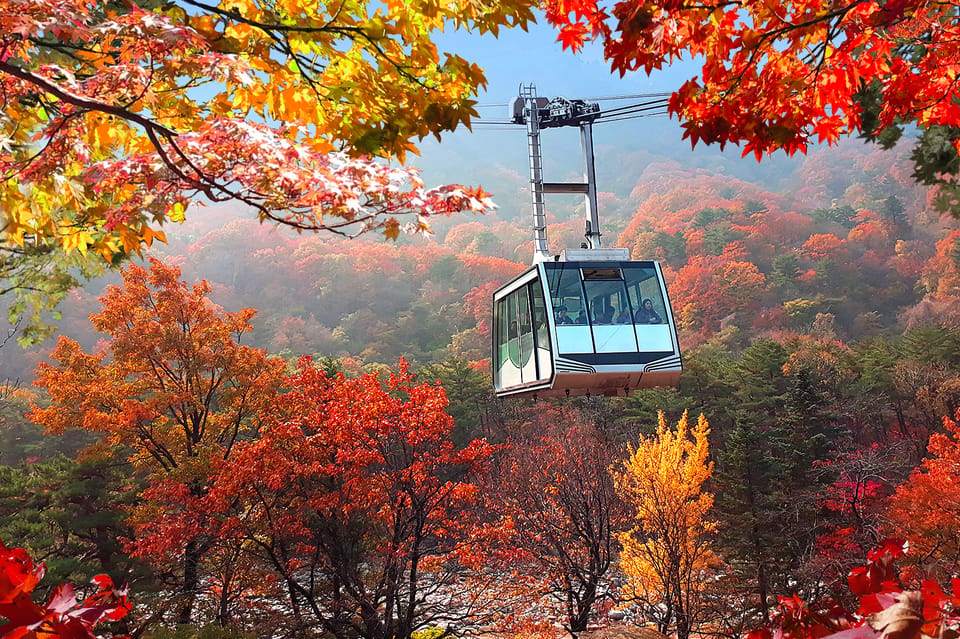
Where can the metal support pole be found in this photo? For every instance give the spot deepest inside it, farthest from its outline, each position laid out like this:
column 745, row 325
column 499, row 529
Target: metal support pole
column 590, row 198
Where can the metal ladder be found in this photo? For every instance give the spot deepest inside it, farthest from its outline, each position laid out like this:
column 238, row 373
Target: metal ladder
column 531, row 114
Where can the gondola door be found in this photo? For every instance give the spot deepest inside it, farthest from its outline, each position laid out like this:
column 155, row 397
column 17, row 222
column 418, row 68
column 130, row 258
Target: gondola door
column 522, row 345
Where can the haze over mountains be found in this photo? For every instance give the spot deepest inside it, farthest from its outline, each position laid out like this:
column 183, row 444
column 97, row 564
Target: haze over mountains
column 363, row 298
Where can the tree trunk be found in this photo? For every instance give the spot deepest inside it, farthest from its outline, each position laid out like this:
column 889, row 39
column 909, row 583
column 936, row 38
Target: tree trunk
column 680, row 612
column 578, row 621
column 223, row 606
column 763, row 588
column 191, row 581
column 372, row 623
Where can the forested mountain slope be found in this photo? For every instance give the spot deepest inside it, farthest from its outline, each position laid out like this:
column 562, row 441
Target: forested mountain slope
column 853, row 237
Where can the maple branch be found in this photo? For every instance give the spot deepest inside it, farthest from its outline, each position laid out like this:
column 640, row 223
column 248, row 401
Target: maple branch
column 194, row 182
column 204, row 183
column 8, row 386
column 156, row 449
column 152, row 128
column 792, row 26
column 157, row 133
column 271, row 30
column 46, row 145
column 714, row 7
column 207, row 184
column 86, row 104
column 66, row 48
column 945, row 94
column 146, row 85
column 281, row 564
column 235, row 428
column 765, row 36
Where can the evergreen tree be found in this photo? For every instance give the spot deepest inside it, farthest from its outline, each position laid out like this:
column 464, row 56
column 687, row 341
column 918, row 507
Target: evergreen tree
column 807, row 432
column 467, row 389
column 893, row 212
column 751, row 526
column 70, row 515
column 785, row 270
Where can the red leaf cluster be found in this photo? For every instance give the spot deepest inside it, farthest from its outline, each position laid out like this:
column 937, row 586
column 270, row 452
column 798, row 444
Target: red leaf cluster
column 878, row 575
column 781, row 74
column 886, row 611
column 62, row 616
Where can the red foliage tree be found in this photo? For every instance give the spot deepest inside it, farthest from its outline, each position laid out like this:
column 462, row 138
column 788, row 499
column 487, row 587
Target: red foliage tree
column 823, row 245
column 176, row 391
column 856, row 485
column 709, row 288
column 926, row 508
column 357, row 500
column 484, row 269
column 941, row 277
column 556, row 496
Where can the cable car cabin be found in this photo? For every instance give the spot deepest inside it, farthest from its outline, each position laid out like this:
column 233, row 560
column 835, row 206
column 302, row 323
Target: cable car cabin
column 584, row 324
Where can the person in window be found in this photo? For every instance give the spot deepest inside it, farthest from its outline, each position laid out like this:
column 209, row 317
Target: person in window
column 623, row 317
column 581, row 318
column 562, row 317
column 646, row 314
column 605, row 316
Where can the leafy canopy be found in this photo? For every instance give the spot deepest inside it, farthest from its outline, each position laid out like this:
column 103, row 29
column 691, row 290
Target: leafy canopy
column 117, row 116
column 356, row 499
column 174, row 391
column 926, row 507
column 780, row 74
column 555, row 500
column 175, row 387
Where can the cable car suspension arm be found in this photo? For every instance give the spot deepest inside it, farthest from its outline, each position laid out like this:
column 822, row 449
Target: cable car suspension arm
column 538, row 113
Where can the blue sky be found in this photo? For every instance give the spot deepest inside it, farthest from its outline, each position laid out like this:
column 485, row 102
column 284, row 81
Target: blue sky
column 519, row 57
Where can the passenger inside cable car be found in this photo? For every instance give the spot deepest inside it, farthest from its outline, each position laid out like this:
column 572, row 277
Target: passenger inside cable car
column 647, row 315
column 617, row 298
column 562, row 317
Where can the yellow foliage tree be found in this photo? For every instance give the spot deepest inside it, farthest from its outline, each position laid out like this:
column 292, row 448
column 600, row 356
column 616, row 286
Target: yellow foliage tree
column 667, row 553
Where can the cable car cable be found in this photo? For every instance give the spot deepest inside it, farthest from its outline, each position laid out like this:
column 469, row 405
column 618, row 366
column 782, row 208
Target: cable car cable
column 634, row 96
column 637, row 104
column 637, row 114
column 642, row 106
column 634, row 117
column 630, row 97
column 604, row 116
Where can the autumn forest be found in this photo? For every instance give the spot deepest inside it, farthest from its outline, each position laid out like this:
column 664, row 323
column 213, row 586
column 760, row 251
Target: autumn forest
column 246, row 388
column 821, row 348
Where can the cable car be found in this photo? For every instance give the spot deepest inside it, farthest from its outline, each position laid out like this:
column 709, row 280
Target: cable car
column 591, row 322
